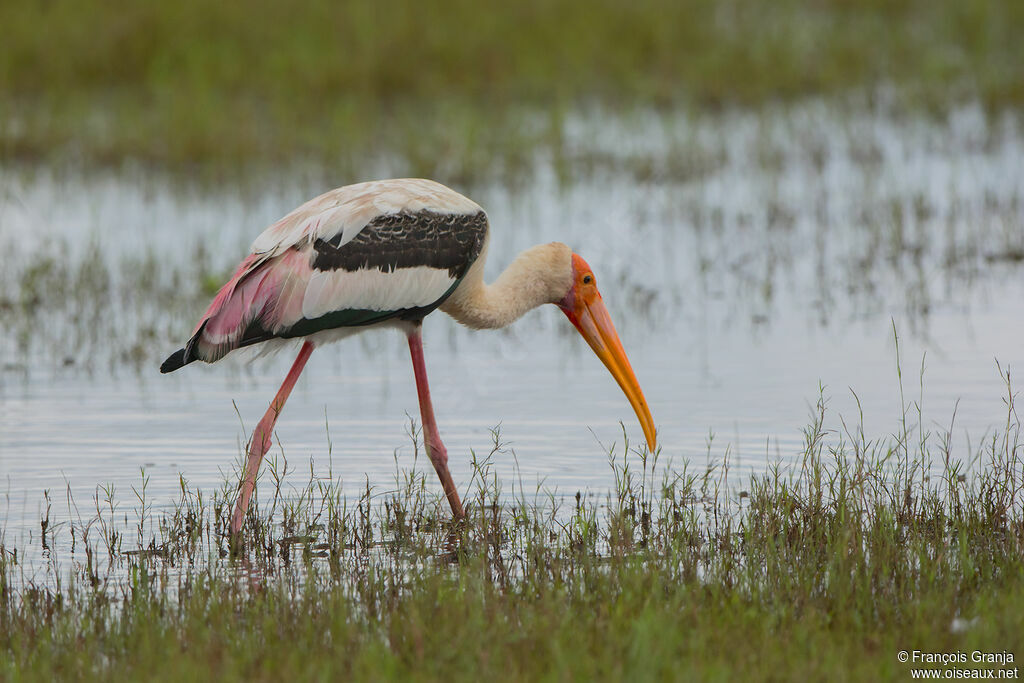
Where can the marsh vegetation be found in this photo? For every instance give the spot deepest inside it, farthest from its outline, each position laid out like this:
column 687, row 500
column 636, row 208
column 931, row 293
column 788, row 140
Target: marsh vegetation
column 861, row 548
column 458, row 90
column 808, row 223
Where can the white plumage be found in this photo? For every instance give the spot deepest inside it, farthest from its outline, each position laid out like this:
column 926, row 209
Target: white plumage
column 347, row 210
column 374, row 290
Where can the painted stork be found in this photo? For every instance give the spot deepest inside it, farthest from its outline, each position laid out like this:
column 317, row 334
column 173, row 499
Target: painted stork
column 385, row 254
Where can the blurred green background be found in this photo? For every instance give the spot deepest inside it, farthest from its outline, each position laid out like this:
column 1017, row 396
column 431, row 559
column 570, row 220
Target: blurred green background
column 189, row 83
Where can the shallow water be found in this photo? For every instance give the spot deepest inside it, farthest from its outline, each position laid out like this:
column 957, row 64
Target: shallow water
column 751, row 262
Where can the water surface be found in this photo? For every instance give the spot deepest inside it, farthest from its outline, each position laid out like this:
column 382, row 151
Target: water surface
column 752, row 263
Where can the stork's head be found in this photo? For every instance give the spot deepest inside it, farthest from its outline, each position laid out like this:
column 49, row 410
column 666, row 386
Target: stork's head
column 583, row 305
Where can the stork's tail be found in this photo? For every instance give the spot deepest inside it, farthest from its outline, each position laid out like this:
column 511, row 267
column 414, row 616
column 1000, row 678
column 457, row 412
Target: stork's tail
column 234, row 327
column 174, row 361
column 185, row 355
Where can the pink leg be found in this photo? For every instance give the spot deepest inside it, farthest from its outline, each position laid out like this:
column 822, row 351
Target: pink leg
column 261, row 437
column 431, row 437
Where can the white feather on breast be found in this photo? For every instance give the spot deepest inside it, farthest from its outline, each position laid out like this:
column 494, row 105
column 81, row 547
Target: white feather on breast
column 374, row 290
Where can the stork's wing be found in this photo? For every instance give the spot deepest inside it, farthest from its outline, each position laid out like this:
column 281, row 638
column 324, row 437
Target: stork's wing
column 355, row 256
column 339, row 215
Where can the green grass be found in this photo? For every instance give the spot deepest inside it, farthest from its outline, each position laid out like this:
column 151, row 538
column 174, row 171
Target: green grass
column 825, row 571
column 455, row 87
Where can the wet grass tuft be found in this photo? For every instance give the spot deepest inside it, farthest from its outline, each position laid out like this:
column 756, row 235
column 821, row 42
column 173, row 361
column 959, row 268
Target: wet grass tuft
column 826, row 568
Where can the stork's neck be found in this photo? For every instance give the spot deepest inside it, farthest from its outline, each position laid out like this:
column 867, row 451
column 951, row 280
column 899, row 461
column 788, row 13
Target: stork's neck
column 539, row 275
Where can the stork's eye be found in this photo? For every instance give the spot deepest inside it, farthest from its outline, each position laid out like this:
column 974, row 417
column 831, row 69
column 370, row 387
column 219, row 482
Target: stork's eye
column 588, row 278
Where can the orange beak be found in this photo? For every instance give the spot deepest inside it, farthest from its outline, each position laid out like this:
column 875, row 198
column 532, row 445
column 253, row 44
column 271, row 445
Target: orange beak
column 586, row 310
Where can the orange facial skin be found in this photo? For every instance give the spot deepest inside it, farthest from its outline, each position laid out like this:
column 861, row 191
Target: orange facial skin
column 586, row 311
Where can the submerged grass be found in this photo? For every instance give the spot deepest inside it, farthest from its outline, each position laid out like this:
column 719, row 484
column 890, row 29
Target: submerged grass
column 79, row 308
column 455, row 88
column 823, row 570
